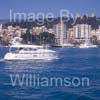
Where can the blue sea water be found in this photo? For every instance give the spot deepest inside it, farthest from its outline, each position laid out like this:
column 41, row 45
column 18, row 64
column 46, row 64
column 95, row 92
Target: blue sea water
column 72, row 63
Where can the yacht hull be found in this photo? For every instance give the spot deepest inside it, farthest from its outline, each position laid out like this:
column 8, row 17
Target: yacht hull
column 14, row 56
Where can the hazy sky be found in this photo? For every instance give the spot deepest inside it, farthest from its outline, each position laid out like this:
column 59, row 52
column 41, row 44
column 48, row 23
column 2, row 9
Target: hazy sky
column 74, row 6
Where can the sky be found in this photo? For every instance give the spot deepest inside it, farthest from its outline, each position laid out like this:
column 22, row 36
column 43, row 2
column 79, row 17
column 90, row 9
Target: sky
column 34, row 6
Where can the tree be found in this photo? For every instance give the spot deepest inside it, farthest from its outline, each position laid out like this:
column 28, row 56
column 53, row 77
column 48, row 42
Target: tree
column 94, row 39
column 28, row 37
column 46, row 38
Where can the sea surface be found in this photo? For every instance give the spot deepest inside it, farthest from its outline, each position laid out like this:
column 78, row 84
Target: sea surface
column 72, row 63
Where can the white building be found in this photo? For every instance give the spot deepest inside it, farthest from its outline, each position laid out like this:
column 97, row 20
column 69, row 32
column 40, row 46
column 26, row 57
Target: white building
column 38, row 30
column 82, row 31
column 1, row 27
column 70, row 35
column 96, row 33
column 60, row 33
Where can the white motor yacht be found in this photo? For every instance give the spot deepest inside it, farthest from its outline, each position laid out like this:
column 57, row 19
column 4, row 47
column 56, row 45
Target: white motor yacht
column 30, row 52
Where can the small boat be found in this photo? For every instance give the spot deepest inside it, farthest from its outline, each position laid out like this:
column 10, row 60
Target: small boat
column 65, row 45
column 30, row 52
column 87, row 43
column 87, row 46
column 68, row 45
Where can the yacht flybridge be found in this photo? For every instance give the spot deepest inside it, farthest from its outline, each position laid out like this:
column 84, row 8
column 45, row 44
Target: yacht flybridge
column 30, row 52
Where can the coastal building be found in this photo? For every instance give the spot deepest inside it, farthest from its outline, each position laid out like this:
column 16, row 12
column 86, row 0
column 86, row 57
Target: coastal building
column 81, row 31
column 50, row 30
column 38, row 30
column 96, row 33
column 60, row 33
column 1, row 30
column 1, row 27
column 93, row 32
column 70, row 35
